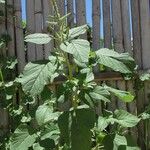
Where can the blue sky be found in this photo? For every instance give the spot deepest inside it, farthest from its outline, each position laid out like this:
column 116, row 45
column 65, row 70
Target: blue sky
column 88, row 11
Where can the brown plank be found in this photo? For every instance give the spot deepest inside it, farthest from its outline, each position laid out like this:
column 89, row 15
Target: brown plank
column 118, row 39
column 61, row 7
column 107, row 24
column 19, row 37
column 70, row 9
column 145, row 32
column 31, row 52
column 81, row 14
column 138, row 58
column 117, row 26
column 96, row 24
column 47, row 10
column 10, row 29
column 126, row 29
column 38, row 27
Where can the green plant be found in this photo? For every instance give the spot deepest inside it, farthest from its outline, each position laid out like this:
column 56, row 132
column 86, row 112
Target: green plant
column 66, row 118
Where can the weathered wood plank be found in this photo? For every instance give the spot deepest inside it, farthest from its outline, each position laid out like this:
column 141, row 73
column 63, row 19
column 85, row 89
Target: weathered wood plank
column 31, row 52
column 10, row 29
column 117, row 26
column 96, row 24
column 19, row 37
column 3, row 29
column 118, row 39
column 138, row 58
column 61, row 7
column 107, row 24
column 70, row 9
column 136, row 32
column 38, row 27
column 47, row 10
column 126, row 26
column 145, row 32
column 81, row 14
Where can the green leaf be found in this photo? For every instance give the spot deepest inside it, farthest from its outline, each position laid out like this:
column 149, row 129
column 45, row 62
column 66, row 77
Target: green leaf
column 45, row 114
column 89, row 74
column 113, row 60
column 124, row 147
column 126, row 119
column 99, row 93
column 38, row 38
column 37, row 146
column 51, row 131
column 145, row 116
column 79, row 48
column 122, row 95
column 102, row 123
column 114, row 141
column 118, row 141
column 82, row 123
column 77, row 31
column 2, row 1
column 145, row 77
column 36, row 76
column 21, row 139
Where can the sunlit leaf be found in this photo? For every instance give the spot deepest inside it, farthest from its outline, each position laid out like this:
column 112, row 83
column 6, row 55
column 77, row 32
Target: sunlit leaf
column 38, row 38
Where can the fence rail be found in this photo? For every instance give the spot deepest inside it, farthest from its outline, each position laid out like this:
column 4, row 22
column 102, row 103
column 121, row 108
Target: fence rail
column 126, row 27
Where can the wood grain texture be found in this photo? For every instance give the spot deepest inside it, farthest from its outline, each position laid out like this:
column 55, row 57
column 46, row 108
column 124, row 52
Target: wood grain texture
column 31, row 52
column 81, row 14
column 118, row 40
column 47, row 10
column 126, row 29
column 137, row 49
column 96, row 24
column 107, row 24
column 10, row 29
column 70, row 9
column 136, row 32
column 145, row 32
column 19, row 37
column 38, row 27
column 62, row 7
column 3, row 29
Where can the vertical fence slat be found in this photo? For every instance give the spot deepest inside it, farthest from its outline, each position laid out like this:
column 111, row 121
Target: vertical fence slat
column 145, row 32
column 138, row 58
column 96, row 24
column 132, row 109
column 2, row 28
column 81, row 14
column 4, row 119
column 10, row 29
column 96, row 35
column 31, row 53
column 136, row 32
column 117, row 26
column 47, row 10
column 61, row 7
column 126, row 25
column 107, row 24
column 19, row 37
column 145, row 44
column 118, row 39
column 38, row 27
column 70, row 9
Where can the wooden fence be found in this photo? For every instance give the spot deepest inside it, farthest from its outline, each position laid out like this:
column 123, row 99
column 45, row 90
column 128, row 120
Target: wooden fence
column 126, row 24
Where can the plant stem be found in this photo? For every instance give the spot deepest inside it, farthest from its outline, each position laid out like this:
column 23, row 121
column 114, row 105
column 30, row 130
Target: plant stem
column 1, row 75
